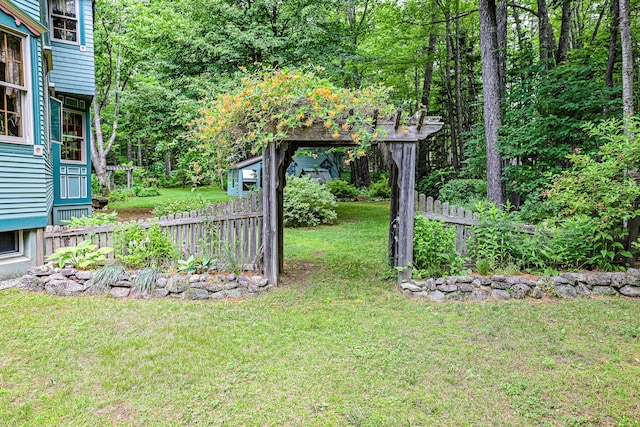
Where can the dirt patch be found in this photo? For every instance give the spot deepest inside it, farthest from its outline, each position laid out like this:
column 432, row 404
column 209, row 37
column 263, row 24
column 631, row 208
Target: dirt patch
column 297, row 273
column 132, row 214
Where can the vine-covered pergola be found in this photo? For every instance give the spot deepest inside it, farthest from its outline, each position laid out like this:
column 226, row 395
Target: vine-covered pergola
column 398, row 142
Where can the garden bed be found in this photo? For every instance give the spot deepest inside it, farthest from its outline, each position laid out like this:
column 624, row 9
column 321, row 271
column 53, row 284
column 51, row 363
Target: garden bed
column 72, row 282
column 566, row 285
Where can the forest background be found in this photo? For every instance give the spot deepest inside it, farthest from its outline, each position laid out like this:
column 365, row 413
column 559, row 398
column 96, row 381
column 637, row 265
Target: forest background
column 558, row 66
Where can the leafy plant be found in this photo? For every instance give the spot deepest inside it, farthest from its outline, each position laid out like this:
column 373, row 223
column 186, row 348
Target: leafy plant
column 493, row 238
column 195, row 265
column 380, row 189
column 109, row 274
column 463, row 192
column 120, row 195
column 85, row 255
column 342, row 190
column 179, row 206
column 430, row 184
column 434, row 249
column 307, row 203
column 603, row 187
column 95, row 219
column 145, row 191
column 267, row 106
column 138, row 247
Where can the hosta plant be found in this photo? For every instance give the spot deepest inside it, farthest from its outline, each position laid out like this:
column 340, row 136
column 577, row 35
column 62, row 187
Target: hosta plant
column 85, row 255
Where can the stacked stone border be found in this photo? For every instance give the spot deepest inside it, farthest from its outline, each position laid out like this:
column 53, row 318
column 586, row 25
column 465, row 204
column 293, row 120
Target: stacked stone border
column 498, row 287
column 72, row 282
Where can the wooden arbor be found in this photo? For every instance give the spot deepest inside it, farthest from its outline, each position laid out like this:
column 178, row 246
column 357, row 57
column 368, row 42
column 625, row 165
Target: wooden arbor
column 399, row 146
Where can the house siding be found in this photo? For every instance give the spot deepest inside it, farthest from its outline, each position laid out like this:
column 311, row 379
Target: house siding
column 23, row 190
column 30, row 7
column 73, row 69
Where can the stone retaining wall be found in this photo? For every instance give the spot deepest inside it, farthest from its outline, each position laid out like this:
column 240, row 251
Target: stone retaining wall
column 566, row 285
column 69, row 281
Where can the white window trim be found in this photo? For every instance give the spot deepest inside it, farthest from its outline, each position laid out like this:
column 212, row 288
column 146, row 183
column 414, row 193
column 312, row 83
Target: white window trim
column 53, row 38
column 20, row 251
column 83, row 152
column 27, row 121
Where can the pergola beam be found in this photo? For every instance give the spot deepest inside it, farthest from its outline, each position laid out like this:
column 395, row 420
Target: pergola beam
column 399, row 139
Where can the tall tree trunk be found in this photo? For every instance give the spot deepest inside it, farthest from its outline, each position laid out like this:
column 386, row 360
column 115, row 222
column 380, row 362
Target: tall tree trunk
column 360, row 172
column 565, row 32
column 139, row 163
column 627, row 60
column 425, row 100
column 458, row 83
column 501, row 34
column 599, row 21
column 167, row 165
column 613, row 43
column 100, row 150
column 447, row 70
column 546, row 36
column 428, row 70
column 577, row 28
column 491, row 90
column 129, row 150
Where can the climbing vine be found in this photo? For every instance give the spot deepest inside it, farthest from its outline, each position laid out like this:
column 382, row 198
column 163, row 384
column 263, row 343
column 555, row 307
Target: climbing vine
column 268, row 105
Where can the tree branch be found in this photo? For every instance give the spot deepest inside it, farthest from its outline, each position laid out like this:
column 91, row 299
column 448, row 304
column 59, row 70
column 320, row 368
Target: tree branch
column 442, row 21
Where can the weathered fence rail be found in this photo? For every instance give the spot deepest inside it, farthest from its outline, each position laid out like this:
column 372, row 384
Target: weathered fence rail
column 461, row 219
column 227, row 229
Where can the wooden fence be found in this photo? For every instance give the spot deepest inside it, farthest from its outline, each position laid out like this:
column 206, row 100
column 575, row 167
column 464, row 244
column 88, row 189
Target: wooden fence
column 461, row 219
column 231, row 229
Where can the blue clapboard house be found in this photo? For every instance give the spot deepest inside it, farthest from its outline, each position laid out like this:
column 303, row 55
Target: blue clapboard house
column 46, row 87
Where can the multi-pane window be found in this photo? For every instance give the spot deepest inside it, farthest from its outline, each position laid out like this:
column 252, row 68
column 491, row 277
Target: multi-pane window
column 64, row 20
column 72, row 136
column 9, row 243
column 12, row 86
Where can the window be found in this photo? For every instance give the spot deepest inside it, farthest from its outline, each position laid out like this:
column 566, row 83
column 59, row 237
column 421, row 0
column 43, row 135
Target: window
column 64, row 20
column 13, row 88
column 72, row 149
column 10, row 243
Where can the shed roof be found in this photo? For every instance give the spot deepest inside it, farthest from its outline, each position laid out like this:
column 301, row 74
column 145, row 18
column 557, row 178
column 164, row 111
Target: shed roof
column 246, row 163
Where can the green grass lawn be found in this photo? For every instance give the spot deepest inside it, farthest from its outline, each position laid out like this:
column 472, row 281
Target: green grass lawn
column 332, row 345
column 213, row 194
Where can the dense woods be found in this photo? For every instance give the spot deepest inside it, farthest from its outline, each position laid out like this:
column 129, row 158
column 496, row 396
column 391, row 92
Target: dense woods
column 515, row 82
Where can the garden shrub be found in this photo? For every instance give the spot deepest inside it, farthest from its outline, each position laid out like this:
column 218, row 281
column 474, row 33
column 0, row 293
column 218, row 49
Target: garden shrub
column 494, row 238
column 139, row 247
column 307, row 203
column 120, row 195
column 571, row 243
column 145, row 191
column 462, row 192
column 604, row 187
column 342, row 190
column 431, row 183
column 380, row 189
column 434, row 249
column 95, row 219
column 179, row 206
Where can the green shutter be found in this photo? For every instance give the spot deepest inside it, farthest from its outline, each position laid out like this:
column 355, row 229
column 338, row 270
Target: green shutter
column 56, row 120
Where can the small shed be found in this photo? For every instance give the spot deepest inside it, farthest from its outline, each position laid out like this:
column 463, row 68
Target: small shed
column 302, row 164
column 244, row 177
column 319, row 174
